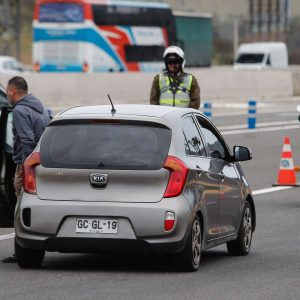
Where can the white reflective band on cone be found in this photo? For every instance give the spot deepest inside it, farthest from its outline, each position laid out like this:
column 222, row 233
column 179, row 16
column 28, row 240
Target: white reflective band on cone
column 287, row 148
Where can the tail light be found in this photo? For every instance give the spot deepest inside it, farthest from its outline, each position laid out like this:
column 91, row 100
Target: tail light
column 85, row 67
column 29, row 182
column 36, row 67
column 178, row 175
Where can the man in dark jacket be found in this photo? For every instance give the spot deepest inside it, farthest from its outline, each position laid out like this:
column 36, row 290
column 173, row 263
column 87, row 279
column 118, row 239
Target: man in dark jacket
column 30, row 119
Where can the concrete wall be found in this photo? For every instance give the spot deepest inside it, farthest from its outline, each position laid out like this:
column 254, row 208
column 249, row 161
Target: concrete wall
column 222, row 9
column 63, row 90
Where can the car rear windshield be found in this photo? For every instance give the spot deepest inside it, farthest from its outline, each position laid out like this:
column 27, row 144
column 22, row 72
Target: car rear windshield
column 104, row 145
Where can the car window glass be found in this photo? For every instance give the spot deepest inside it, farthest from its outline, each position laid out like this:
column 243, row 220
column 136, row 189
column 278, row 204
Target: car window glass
column 193, row 142
column 214, row 144
column 110, row 146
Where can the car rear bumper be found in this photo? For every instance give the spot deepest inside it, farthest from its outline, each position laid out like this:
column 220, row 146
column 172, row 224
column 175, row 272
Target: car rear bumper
column 141, row 225
column 101, row 245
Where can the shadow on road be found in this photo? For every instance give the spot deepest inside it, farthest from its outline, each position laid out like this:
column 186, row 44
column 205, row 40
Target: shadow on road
column 124, row 262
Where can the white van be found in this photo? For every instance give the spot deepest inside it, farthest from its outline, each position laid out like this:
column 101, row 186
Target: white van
column 258, row 56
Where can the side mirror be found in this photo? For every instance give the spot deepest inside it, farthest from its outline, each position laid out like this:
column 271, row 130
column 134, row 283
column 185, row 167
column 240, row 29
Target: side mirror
column 241, row 153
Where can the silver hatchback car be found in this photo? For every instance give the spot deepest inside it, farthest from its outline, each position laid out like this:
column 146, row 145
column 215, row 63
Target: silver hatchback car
column 141, row 178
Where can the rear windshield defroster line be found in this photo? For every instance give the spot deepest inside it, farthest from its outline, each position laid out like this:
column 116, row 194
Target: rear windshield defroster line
column 105, row 144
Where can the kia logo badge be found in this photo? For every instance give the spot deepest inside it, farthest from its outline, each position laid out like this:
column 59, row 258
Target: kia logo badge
column 98, row 180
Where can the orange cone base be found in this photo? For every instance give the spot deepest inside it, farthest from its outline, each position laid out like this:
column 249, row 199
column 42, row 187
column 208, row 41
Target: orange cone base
column 287, row 178
column 276, row 184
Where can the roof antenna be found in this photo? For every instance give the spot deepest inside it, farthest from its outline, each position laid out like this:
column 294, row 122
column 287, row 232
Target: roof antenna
column 113, row 110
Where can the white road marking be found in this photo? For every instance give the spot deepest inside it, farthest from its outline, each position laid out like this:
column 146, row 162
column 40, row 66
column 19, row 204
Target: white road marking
column 271, row 190
column 7, row 236
column 258, row 125
column 288, row 114
column 257, row 130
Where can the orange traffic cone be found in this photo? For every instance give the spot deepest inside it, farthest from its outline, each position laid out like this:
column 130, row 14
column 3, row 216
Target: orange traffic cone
column 287, row 173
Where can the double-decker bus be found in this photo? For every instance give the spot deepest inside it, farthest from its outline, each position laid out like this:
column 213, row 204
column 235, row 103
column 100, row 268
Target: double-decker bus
column 100, row 35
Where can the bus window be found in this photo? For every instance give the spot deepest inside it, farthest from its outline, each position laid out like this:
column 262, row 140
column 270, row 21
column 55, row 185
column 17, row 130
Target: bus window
column 143, row 53
column 132, row 16
column 61, row 12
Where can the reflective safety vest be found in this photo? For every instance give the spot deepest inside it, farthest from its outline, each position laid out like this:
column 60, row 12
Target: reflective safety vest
column 182, row 94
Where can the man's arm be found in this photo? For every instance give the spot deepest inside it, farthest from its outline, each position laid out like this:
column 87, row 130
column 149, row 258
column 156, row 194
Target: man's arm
column 194, row 94
column 155, row 92
column 23, row 126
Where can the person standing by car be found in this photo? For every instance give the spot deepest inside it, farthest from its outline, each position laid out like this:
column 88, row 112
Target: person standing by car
column 174, row 87
column 30, row 119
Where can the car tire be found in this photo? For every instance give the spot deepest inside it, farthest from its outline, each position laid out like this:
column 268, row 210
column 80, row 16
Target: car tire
column 241, row 246
column 188, row 259
column 29, row 258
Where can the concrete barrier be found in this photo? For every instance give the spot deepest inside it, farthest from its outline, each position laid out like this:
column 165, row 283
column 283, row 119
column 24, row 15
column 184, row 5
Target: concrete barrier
column 60, row 90
column 220, row 84
column 296, row 82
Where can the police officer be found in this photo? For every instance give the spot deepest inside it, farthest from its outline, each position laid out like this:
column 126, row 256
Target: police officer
column 174, row 87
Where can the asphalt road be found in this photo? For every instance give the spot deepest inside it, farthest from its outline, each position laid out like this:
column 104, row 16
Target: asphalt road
column 270, row 271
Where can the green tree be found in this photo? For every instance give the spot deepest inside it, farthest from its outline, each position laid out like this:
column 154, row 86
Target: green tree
column 16, row 28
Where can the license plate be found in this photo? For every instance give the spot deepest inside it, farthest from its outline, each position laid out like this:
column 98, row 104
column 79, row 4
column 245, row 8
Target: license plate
column 97, row 226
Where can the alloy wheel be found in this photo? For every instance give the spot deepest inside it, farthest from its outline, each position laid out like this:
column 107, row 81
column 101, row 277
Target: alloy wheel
column 247, row 228
column 196, row 242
